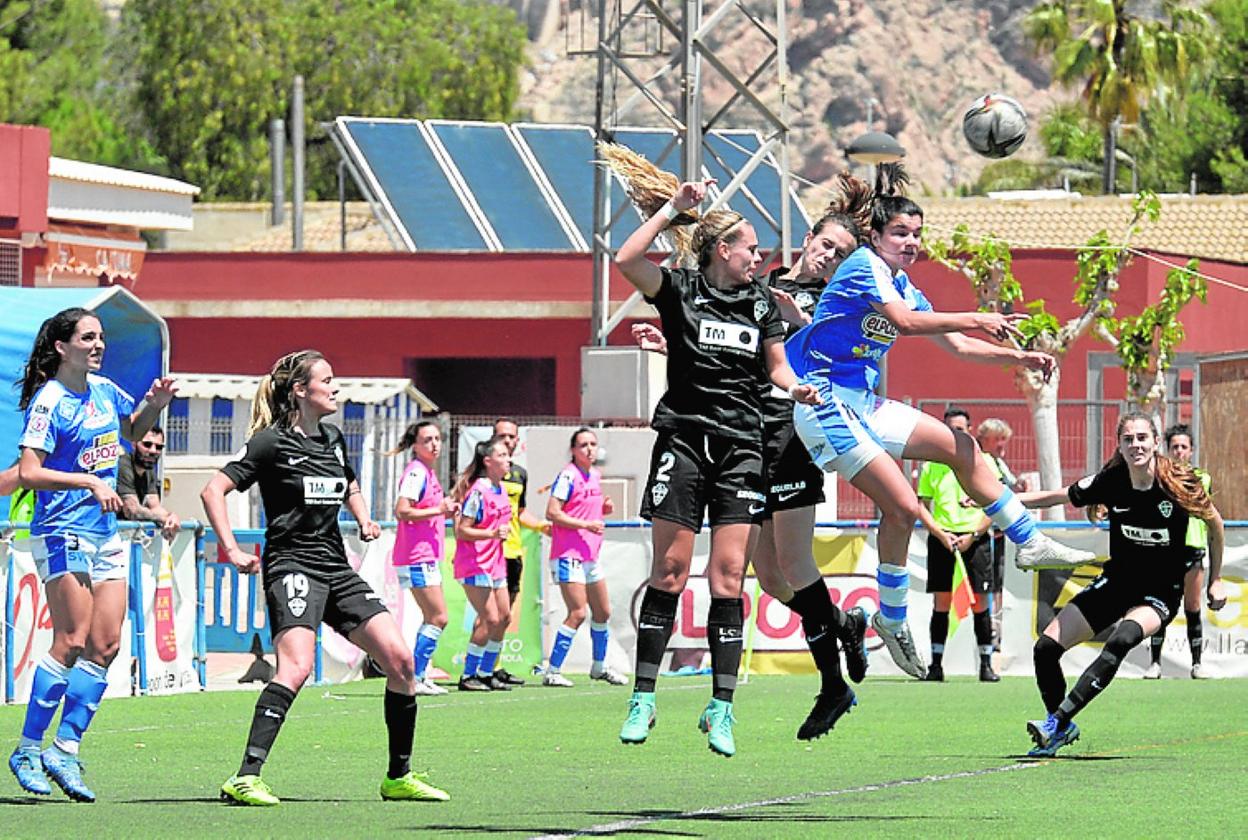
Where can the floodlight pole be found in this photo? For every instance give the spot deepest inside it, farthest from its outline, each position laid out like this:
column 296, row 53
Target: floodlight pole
column 617, row 30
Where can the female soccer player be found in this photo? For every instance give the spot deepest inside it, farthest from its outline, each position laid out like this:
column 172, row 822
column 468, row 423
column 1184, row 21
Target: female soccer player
column 1179, row 447
column 481, row 526
column 723, row 331
column 1150, row 501
column 575, row 511
column 301, row 466
column 867, row 304
column 73, row 424
column 421, row 511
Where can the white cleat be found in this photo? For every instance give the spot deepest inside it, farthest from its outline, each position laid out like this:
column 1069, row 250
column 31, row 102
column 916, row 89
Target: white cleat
column 1153, row 671
column 556, row 679
column 1044, row 553
column 1199, row 672
column 609, row 677
column 434, row 688
column 900, row 646
column 424, row 688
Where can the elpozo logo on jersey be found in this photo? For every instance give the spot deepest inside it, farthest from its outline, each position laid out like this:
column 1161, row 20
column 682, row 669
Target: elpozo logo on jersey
column 876, row 327
column 101, row 454
column 738, row 337
column 323, row 490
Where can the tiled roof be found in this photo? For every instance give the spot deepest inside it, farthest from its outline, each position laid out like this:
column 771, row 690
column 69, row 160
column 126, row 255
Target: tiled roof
column 1209, row 226
column 322, row 231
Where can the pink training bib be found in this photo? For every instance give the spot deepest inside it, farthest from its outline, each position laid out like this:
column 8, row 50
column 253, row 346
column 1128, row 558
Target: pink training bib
column 487, row 507
column 420, row 542
column 581, row 494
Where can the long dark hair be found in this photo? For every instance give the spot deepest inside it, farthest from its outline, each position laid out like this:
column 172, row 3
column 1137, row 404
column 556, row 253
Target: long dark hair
column 44, row 361
column 1178, row 481
column 476, row 468
column 410, row 434
column 274, row 403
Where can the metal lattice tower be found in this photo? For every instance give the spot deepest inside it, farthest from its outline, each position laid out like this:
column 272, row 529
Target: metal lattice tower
column 624, row 34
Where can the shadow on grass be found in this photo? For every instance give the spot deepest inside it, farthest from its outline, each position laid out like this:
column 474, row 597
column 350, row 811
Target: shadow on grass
column 29, row 800
column 1068, row 757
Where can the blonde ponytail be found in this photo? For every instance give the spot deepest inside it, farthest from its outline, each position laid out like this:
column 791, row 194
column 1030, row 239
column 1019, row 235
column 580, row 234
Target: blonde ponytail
column 274, row 403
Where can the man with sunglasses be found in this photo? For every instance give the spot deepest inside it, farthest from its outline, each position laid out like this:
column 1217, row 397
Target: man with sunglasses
column 139, row 486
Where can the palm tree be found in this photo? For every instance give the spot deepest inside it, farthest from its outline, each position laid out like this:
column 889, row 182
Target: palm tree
column 1119, row 54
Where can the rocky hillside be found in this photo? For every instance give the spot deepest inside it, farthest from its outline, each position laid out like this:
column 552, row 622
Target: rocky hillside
column 922, row 61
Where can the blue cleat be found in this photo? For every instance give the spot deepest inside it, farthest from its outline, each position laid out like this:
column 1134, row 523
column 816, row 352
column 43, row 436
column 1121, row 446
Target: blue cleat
column 28, row 769
column 66, row 770
column 716, row 721
column 1047, row 738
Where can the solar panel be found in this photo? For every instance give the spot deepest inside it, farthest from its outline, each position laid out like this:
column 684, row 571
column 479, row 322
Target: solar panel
column 566, row 154
column 502, row 185
column 410, row 183
column 734, row 147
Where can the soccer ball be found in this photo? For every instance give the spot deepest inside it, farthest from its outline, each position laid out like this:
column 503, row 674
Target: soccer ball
column 995, row 125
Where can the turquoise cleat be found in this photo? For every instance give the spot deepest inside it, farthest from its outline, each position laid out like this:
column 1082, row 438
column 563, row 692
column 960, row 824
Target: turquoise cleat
column 716, row 722
column 640, row 718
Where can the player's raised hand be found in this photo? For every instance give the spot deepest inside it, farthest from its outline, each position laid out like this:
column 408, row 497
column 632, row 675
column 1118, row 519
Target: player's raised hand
column 162, row 392
column 691, row 193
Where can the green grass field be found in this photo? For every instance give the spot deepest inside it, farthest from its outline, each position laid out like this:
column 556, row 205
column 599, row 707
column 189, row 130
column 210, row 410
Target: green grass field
column 913, row 759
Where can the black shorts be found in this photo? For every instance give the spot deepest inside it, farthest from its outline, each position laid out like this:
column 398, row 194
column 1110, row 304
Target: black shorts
column 998, row 564
column 515, row 567
column 342, row 600
column 793, row 480
column 978, row 561
column 1106, row 599
column 692, row 471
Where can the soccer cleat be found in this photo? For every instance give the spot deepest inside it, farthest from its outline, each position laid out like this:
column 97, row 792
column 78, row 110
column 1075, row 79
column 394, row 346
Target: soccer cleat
column 640, row 718
column 507, row 677
column 1199, row 672
column 66, row 770
column 900, row 646
column 1041, row 552
column 425, row 689
column 472, row 684
column 434, row 688
column 248, row 790
column 1153, row 671
column 716, row 721
column 855, row 644
column 495, row 682
column 556, row 679
column 826, row 712
column 1048, row 740
column 412, row 787
column 935, row 673
column 609, row 677
column 986, row 674
column 28, row 769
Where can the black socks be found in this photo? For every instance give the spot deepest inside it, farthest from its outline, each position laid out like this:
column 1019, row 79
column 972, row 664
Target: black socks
column 654, row 629
column 271, row 708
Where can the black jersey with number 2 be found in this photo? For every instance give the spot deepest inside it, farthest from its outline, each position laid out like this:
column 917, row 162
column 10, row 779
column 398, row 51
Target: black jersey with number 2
column 303, row 483
column 1147, row 528
column 715, row 356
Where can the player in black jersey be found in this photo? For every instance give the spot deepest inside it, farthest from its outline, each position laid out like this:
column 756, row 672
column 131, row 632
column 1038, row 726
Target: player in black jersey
column 1149, row 500
column 782, row 555
column 723, row 332
column 304, row 476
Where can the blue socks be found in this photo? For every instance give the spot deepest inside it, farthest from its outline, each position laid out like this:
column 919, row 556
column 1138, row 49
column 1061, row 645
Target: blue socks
column 1008, row 514
column 598, row 638
column 87, row 683
column 46, row 690
column 426, row 644
column 894, row 583
column 472, row 662
column 489, row 659
column 562, row 644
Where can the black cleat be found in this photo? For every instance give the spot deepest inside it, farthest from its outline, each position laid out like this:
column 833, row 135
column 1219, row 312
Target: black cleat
column 826, row 712
column 472, row 684
column 936, row 673
column 986, row 674
column 855, row 645
column 507, row 677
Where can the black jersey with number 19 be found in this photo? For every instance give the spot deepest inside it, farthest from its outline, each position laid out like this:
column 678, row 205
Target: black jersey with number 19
column 303, row 483
column 714, row 354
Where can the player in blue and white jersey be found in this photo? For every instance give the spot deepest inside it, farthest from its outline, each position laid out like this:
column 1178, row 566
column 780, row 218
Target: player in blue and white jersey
column 868, row 303
column 70, row 444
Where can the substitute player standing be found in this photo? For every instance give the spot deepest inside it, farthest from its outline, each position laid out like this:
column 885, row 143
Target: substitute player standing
column 304, row 476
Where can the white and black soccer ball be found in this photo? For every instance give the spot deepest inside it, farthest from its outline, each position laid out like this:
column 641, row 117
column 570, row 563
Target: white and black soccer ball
column 995, row 125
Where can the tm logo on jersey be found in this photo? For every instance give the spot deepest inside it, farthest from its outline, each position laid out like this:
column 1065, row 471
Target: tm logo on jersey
column 101, row 454
column 738, row 337
column 323, row 490
column 877, row 328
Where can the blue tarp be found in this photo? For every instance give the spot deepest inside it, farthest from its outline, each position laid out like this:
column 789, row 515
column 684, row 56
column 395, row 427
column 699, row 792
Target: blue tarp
column 136, row 352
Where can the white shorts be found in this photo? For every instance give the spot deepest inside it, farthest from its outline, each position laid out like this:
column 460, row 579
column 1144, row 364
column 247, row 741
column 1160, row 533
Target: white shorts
column 484, row 581
column 571, row 570
column 69, row 553
column 419, row 575
column 851, row 428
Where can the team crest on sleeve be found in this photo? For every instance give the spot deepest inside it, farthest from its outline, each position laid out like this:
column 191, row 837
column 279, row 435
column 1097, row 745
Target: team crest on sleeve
column 1086, row 482
column 761, row 308
column 1165, row 507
